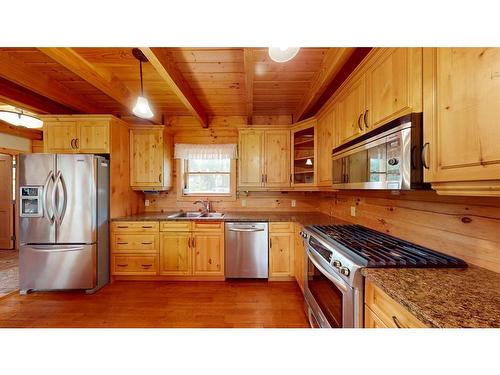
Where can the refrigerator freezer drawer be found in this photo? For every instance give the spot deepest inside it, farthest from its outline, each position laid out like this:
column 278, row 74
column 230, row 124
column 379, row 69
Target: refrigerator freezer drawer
column 57, row 267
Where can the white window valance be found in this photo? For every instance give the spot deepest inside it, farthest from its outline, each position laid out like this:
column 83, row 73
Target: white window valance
column 205, row 151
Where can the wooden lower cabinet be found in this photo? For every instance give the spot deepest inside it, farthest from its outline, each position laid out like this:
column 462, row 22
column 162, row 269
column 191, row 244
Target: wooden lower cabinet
column 134, row 264
column 382, row 311
column 208, row 254
column 299, row 257
column 281, row 252
column 175, row 254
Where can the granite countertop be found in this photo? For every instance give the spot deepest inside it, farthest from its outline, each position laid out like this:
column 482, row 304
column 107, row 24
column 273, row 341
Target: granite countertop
column 304, row 218
column 443, row 298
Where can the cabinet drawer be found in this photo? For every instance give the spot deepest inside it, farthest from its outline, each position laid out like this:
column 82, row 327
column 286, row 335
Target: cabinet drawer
column 132, row 264
column 391, row 313
column 283, row 227
column 372, row 320
column 134, row 226
column 208, row 226
column 135, row 242
column 175, row 226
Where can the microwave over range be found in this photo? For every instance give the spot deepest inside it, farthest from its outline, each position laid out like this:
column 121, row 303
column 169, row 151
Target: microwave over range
column 389, row 157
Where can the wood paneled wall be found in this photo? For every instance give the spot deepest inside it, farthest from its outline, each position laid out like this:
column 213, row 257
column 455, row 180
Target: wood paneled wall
column 466, row 227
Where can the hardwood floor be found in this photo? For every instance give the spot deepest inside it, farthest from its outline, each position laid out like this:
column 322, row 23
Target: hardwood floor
column 131, row 304
column 9, row 271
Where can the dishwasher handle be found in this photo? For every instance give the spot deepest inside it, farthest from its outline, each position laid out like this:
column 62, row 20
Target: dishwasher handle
column 246, row 229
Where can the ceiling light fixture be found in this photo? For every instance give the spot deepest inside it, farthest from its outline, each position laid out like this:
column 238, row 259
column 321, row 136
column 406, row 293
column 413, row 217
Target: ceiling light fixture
column 283, row 54
column 17, row 117
column 141, row 108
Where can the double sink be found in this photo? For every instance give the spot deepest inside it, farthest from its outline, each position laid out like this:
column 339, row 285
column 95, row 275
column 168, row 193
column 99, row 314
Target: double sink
column 196, row 215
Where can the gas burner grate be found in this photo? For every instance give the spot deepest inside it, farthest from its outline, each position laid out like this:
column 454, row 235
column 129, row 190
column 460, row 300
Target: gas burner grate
column 383, row 250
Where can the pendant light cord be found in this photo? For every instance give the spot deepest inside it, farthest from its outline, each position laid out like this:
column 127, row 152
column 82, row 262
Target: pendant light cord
column 140, row 71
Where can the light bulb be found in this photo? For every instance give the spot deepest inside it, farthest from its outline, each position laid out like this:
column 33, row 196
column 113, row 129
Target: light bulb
column 282, row 54
column 142, row 108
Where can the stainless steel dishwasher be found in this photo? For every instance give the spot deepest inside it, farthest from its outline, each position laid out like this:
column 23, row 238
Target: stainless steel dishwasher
column 246, row 250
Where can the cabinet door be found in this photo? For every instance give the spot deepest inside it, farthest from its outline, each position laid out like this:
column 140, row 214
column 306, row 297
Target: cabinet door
column 251, row 158
column 93, row 137
column 146, row 163
column 351, row 108
column 372, row 320
column 394, row 84
column 280, row 254
column 299, row 258
column 175, row 253
column 208, row 254
column 461, row 109
column 277, row 158
column 325, row 145
column 60, row 137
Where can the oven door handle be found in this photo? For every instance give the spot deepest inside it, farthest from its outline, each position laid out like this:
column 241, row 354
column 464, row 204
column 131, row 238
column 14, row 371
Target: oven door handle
column 339, row 283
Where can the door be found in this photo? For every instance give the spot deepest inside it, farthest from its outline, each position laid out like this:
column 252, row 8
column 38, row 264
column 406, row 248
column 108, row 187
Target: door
column 36, row 173
column 251, row 158
column 280, row 251
column 208, row 254
column 277, row 154
column 146, row 148
column 325, row 145
column 462, row 88
column 389, row 87
column 93, row 137
column 61, row 137
column 175, row 253
column 49, row 267
column 6, row 203
column 75, row 199
column 351, row 111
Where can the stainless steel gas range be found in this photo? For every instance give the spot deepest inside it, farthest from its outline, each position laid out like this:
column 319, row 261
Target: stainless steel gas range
column 335, row 256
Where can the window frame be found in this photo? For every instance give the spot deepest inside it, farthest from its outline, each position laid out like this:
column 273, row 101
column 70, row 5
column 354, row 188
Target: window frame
column 182, row 180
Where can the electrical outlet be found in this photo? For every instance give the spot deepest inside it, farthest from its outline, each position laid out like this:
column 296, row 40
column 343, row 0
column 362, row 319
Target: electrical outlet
column 353, row 210
column 243, row 203
column 146, row 203
column 294, row 202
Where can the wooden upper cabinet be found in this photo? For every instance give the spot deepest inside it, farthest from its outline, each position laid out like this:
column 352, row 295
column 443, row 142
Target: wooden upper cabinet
column 393, row 85
column 351, row 110
column 251, row 158
column 304, row 154
column 461, row 112
column 93, row 136
column 84, row 134
column 150, row 158
column 277, row 161
column 60, row 136
column 264, row 159
column 326, row 139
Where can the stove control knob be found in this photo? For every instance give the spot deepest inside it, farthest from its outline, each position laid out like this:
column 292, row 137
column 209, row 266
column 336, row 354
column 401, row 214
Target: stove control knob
column 345, row 271
column 337, row 264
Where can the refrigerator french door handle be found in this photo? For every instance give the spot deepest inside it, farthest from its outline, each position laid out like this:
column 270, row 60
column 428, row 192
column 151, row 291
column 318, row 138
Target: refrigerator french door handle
column 54, row 192
column 65, row 197
column 50, row 218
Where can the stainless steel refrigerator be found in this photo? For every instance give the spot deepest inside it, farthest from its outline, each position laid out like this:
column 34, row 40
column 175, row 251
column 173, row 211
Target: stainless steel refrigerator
column 64, row 222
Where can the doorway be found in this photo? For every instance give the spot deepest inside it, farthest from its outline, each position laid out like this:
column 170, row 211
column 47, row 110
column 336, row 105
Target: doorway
column 7, row 200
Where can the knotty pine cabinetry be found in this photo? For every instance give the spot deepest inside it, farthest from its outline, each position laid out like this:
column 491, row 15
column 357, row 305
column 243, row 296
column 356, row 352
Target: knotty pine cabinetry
column 299, row 256
column 281, row 250
column 304, row 153
column 264, row 159
column 150, row 158
column 461, row 112
column 84, row 134
column 381, row 311
column 327, row 140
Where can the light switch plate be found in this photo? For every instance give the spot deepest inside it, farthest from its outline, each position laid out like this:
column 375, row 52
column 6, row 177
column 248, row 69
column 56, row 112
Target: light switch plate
column 243, row 203
column 294, row 203
column 146, row 202
column 353, row 210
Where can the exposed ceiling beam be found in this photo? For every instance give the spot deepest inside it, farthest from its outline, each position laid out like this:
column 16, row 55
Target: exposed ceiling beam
column 100, row 78
column 248, row 63
column 333, row 61
column 162, row 60
column 18, row 96
column 18, row 131
column 14, row 70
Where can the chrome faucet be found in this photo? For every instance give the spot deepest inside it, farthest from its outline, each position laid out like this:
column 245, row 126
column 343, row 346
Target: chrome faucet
column 206, row 206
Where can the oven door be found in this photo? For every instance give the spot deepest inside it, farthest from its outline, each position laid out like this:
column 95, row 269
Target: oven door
column 330, row 299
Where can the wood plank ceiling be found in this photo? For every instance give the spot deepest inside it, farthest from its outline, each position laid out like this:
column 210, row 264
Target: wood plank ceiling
column 202, row 82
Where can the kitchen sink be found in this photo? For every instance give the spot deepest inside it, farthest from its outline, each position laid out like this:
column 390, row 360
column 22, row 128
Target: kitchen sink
column 195, row 215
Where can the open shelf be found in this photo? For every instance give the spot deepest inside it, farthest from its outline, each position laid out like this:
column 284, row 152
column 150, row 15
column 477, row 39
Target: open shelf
column 304, row 158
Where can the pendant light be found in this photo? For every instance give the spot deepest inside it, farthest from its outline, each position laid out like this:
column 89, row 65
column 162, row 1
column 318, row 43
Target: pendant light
column 141, row 108
column 18, row 117
column 309, row 161
column 283, row 54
